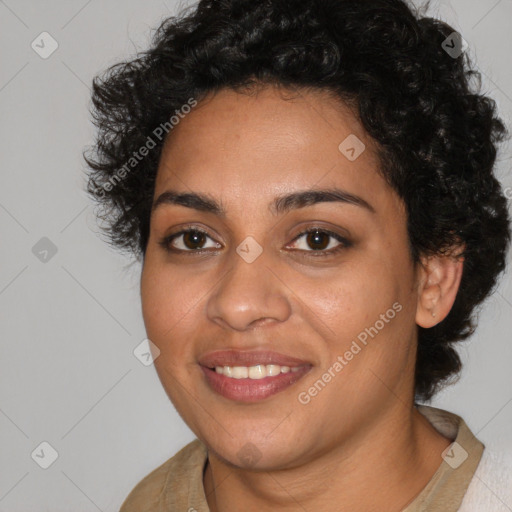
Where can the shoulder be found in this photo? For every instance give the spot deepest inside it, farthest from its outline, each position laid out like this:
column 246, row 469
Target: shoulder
column 151, row 493
column 491, row 485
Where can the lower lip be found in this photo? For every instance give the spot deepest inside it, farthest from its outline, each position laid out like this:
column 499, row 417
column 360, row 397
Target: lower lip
column 251, row 390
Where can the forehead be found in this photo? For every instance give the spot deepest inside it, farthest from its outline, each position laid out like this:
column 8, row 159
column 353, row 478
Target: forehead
column 243, row 147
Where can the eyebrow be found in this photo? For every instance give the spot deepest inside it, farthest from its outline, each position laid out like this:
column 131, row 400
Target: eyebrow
column 280, row 205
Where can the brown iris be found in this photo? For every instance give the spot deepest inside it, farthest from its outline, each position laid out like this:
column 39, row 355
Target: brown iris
column 318, row 240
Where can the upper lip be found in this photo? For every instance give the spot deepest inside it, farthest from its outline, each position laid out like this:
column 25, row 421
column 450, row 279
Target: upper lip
column 248, row 358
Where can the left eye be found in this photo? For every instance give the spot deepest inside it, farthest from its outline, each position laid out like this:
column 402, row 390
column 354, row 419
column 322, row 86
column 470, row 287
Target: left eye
column 321, row 240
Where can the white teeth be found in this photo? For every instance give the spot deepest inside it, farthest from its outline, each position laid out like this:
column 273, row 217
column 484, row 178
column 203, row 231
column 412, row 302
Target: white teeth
column 259, row 371
column 240, row 372
column 273, row 370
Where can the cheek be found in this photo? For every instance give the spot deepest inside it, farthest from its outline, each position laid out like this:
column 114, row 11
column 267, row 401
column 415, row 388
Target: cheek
column 169, row 304
column 170, row 309
column 352, row 298
column 365, row 313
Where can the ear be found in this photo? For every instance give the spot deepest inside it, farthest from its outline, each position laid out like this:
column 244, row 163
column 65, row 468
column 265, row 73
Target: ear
column 439, row 281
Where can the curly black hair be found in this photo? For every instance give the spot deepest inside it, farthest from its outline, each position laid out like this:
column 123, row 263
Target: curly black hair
column 415, row 91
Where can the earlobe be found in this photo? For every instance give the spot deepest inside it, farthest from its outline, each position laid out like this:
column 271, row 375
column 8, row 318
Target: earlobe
column 439, row 282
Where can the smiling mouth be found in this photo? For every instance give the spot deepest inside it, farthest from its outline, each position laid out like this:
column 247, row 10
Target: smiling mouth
column 257, row 372
column 250, row 377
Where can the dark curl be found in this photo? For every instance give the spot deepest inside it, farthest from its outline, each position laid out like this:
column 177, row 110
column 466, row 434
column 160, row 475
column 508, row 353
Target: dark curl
column 437, row 134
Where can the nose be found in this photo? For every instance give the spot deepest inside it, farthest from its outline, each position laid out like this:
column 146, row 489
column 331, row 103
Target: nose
column 249, row 295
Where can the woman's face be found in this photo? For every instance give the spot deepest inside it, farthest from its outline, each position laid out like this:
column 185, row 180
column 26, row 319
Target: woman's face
column 320, row 326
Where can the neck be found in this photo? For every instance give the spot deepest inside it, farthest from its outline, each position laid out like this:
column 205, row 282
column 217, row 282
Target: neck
column 384, row 467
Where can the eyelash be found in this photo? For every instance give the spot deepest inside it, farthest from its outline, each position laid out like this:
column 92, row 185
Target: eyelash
column 344, row 243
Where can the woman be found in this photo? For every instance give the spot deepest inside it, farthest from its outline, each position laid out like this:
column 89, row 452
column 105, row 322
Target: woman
column 310, row 188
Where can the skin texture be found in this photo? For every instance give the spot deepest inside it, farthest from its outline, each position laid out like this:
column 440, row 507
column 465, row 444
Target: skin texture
column 361, row 433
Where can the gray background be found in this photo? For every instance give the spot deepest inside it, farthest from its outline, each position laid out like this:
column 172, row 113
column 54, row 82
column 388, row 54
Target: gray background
column 69, row 324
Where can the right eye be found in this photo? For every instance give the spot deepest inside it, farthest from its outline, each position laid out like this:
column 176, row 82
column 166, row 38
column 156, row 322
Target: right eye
column 188, row 240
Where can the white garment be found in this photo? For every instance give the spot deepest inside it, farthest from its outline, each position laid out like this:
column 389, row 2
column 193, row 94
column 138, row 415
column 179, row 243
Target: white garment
column 490, row 489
